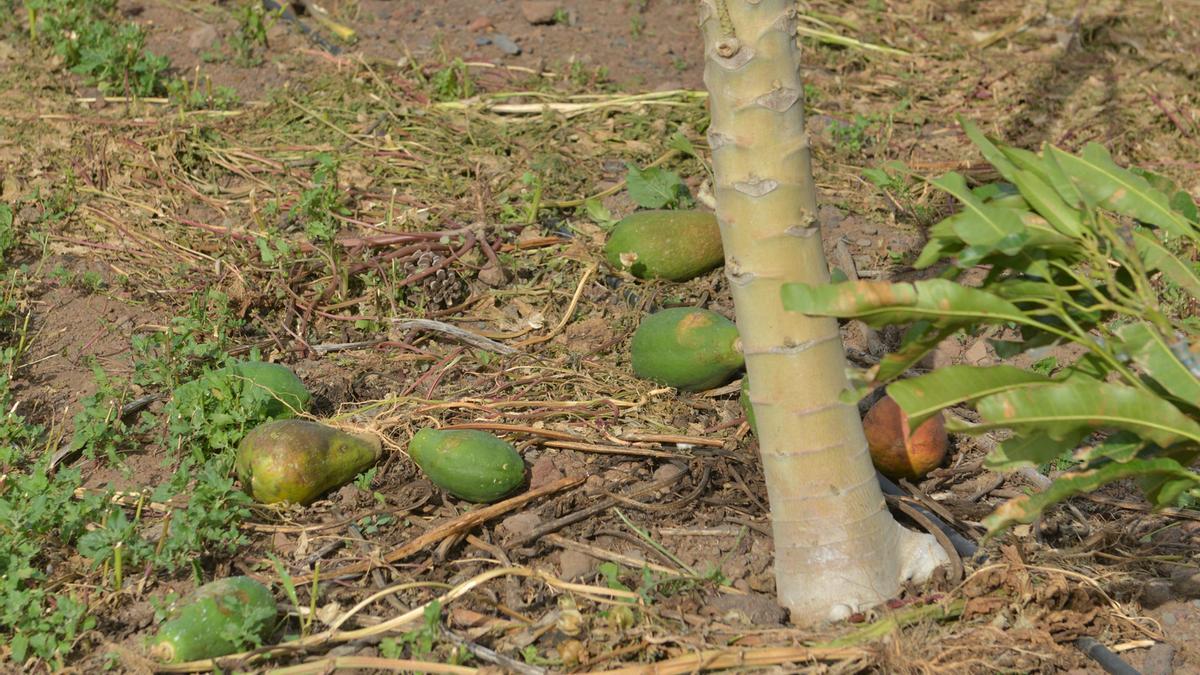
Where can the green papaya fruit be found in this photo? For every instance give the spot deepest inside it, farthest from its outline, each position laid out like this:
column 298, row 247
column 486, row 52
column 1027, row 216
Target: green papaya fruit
column 217, row 619
column 687, row 348
column 471, row 465
column 674, row 245
column 298, row 460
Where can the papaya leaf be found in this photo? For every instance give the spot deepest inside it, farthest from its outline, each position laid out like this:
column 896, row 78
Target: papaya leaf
column 920, row 338
column 1027, row 508
column 945, row 303
column 1153, row 354
column 989, row 150
column 1121, row 190
column 1049, row 204
column 1181, row 201
column 1119, row 447
column 1033, row 450
column 1158, row 257
column 1061, row 408
column 985, row 226
column 922, row 397
column 1057, row 178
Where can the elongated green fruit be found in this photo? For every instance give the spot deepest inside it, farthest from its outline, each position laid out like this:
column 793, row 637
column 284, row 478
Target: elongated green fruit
column 471, row 465
column 836, row 547
column 298, row 460
column 674, row 245
column 687, row 348
column 219, row 618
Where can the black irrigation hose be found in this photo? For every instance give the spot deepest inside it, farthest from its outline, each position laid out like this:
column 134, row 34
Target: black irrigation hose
column 965, row 547
column 1108, row 660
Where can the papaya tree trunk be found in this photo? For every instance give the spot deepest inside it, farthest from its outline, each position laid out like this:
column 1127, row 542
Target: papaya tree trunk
column 837, row 549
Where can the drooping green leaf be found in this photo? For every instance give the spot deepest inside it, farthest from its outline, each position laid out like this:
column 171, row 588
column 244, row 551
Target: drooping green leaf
column 1180, row 200
column 1056, row 178
column 1059, row 409
column 1048, row 203
column 1119, row 447
column 1152, row 353
column 942, row 302
column 989, row 150
column 1030, row 450
column 1121, row 190
column 1157, row 257
column 983, row 225
column 1027, row 508
column 920, row 338
column 922, row 397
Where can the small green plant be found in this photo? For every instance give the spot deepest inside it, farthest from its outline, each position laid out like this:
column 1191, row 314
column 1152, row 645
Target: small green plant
column 452, row 83
column 1079, row 250
column 8, row 233
column 320, row 205
column 656, row 188
column 851, row 137
column 110, row 55
column 250, row 38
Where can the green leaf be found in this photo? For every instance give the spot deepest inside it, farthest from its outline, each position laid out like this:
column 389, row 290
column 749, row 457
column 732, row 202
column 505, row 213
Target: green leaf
column 1060, row 409
column 1120, row 190
column 920, row 338
column 681, row 143
column 922, row 397
column 1034, row 449
column 989, row 150
column 984, row 225
column 1181, row 201
column 879, row 303
column 1158, row 257
column 1119, row 447
column 1152, row 353
column 655, row 187
column 1048, row 203
column 1027, row 508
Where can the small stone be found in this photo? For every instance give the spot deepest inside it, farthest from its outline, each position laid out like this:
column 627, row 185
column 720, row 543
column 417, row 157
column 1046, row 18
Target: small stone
column 539, row 11
column 483, row 41
column 543, row 472
column 202, row 38
column 492, row 274
column 1186, row 583
column 479, row 23
column 864, row 243
column 506, row 44
column 870, row 229
column 977, row 354
column 1159, row 660
column 575, row 565
column 1156, row 592
column 594, row 484
column 520, row 524
column 666, row 472
column 1169, row 619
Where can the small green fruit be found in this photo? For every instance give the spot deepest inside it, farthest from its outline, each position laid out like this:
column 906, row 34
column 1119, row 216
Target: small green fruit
column 674, row 245
column 688, row 348
column 206, row 624
column 298, row 460
column 471, row 465
column 267, row 390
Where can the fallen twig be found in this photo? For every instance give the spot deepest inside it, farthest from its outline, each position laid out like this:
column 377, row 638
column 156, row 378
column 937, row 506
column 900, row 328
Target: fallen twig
column 466, row 336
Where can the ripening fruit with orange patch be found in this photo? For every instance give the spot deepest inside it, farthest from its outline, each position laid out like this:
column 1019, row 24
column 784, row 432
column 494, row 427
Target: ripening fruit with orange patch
column 899, row 452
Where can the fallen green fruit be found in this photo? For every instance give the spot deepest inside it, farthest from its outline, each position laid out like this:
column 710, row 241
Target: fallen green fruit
column 267, row 389
column 674, row 245
column 688, row 348
column 298, row 460
column 217, row 619
column 471, row 465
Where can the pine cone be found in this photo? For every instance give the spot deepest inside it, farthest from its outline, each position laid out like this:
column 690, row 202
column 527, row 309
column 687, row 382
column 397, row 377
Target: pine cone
column 443, row 288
